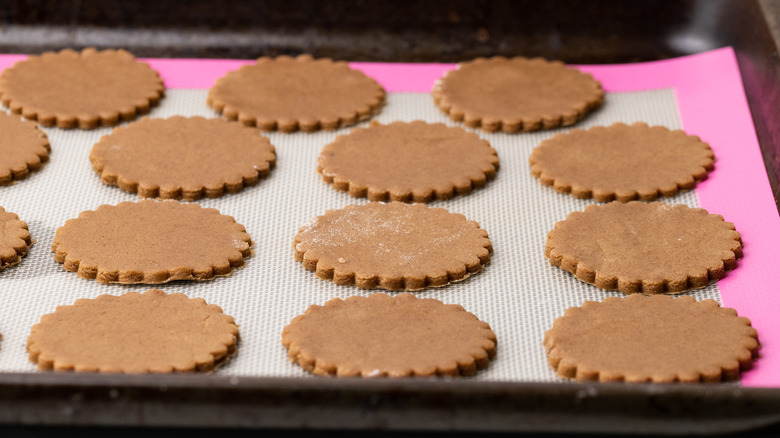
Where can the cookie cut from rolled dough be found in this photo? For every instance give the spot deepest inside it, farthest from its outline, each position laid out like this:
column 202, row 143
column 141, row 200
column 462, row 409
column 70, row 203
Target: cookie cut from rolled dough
column 393, row 246
column 407, row 162
column 290, row 94
column 150, row 332
column 516, row 94
column 15, row 239
column 151, row 242
column 23, row 148
column 656, row 339
column 384, row 336
column 622, row 162
column 86, row 89
column 649, row 248
column 182, row 158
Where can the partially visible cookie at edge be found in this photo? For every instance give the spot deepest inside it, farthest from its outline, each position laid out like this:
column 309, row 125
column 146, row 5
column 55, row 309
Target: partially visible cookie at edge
column 393, row 246
column 516, row 94
column 15, row 239
column 384, row 336
column 151, row 242
column 406, row 162
column 649, row 248
column 150, row 332
column 87, row 89
column 656, row 339
column 182, row 158
column 622, row 162
column 290, row 94
column 23, row 148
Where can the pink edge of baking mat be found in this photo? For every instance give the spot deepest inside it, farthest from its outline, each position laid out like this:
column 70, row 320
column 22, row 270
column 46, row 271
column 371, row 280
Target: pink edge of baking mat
column 712, row 105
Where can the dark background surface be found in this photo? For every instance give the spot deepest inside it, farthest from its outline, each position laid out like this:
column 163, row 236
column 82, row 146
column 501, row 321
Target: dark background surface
column 598, row 31
column 603, row 31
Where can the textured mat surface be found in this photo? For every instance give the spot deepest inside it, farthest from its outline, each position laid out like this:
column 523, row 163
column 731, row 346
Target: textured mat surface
column 519, row 293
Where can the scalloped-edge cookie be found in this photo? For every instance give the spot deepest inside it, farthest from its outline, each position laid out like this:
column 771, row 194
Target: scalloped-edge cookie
column 408, row 162
column 656, row 339
column 290, row 94
column 622, row 162
column 393, row 246
column 182, row 158
column 150, row 332
column 384, row 336
column 85, row 90
column 15, row 239
column 516, row 94
column 151, row 242
column 649, row 248
column 23, row 148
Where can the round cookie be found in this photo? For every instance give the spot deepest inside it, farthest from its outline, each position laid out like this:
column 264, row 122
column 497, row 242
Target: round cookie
column 622, row 162
column 656, row 339
column 407, row 162
column 15, row 239
column 86, row 89
column 182, row 158
column 151, row 242
column 393, row 246
column 134, row 333
column 649, row 248
column 291, row 94
column 516, row 94
column 380, row 335
column 23, row 148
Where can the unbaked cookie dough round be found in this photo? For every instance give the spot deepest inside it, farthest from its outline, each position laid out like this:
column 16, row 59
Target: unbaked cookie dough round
column 86, row 89
column 406, row 162
column 384, row 336
column 393, row 246
column 290, row 94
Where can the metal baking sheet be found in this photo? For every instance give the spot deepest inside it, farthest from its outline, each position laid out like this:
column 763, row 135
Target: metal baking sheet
column 238, row 401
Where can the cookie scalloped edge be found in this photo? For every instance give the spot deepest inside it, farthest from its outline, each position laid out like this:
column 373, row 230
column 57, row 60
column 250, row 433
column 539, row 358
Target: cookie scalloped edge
column 208, row 362
column 700, row 174
column 34, row 162
column 641, row 286
column 568, row 369
column 363, row 112
column 21, row 245
column 464, row 186
column 180, row 193
column 401, row 282
column 87, row 121
column 152, row 277
column 466, row 366
column 512, row 126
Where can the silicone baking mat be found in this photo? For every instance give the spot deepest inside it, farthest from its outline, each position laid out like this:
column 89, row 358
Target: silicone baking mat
column 519, row 293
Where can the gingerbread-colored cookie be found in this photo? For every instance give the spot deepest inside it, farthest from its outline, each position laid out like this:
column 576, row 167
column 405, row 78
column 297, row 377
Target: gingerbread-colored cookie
column 380, row 336
column 291, row 94
column 15, row 239
column 23, row 148
column 134, row 333
column 408, row 162
column 393, row 246
column 516, row 94
column 622, row 162
column 182, row 158
column 656, row 339
column 151, row 242
column 86, row 89
column 650, row 248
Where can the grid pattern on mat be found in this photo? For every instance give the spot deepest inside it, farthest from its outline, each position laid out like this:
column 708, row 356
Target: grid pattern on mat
column 519, row 293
